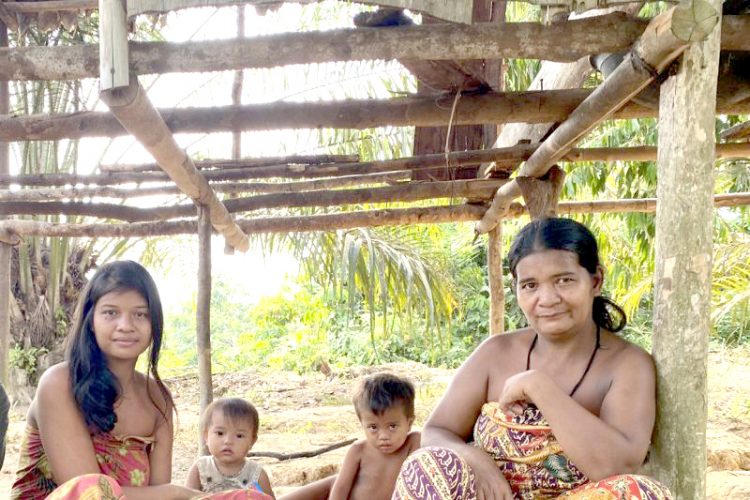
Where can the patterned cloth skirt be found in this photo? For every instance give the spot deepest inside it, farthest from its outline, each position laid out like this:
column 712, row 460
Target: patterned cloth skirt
column 529, row 457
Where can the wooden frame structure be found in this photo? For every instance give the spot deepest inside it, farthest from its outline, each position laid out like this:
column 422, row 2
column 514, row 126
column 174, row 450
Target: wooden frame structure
column 329, row 181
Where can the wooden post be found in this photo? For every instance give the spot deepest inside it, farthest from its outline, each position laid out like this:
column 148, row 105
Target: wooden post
column 5, row 293
column 684, row 222
column 203, row 315
column 114, row 64
column 495, row 273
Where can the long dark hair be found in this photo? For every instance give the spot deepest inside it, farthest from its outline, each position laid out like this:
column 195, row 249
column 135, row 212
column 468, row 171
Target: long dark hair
column 569, row 235
column 95, row 387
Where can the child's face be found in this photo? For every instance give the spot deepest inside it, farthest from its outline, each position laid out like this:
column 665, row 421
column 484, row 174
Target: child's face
column 386, row 432
column 229, row 440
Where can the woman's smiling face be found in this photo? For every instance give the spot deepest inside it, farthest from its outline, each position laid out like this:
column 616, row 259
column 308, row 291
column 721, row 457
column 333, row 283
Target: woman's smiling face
column 555, row 293
column 122, row 324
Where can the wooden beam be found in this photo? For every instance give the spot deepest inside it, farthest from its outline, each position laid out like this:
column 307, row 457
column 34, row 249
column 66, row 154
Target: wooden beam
column 449, row 10
column 239, row 163
column 387, row 171
column 203, row 317
column 739, row 131
column 133, row 109
column 13, row 229
column 73, row 193
column 495, row 278
column 552, row 75
column 682, row 277
column 494, row 108
column 480, row 189
column 113, row 45
column 51, row 6
column 601, row 34
column 661, row 43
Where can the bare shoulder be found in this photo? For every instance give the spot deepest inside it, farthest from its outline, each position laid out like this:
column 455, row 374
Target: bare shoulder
column 504, row 345
column 625, row 356
column 150, row 389
column 55, row 382
column 414, row 440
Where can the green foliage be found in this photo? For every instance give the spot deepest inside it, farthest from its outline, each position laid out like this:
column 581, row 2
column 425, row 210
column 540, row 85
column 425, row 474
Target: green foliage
column 26, row 359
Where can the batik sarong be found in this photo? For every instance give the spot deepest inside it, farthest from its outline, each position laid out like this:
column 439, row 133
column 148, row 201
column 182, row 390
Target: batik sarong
column 528, row 455
column 123, row 461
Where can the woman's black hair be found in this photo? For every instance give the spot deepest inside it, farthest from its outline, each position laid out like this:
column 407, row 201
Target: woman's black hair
column 95, row 387
column 569, row 235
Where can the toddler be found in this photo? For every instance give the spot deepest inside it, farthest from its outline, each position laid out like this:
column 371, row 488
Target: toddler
column 230, row 429
column 385, row 406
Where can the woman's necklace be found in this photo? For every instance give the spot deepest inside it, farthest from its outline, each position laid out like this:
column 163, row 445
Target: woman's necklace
column 588, row 366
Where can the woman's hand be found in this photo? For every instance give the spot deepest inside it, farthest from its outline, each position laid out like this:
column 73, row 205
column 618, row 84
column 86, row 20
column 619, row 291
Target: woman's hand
column 489, row 480
column 517, row 390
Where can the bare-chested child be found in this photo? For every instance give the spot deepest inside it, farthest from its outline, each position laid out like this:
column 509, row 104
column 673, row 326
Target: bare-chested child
column 385, row 406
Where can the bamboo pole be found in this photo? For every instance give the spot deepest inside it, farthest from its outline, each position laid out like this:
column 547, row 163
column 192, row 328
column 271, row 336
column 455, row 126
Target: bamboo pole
column 739, row 131
column 5, row 248
column 133, row 108
column 73, row 193
column 268, row 161
column 331, row 222
column 661, row 43
column 203, row 316
column 601, row 34
column 495, row 274
column 113, row 45
column 387, row 171
column 481, row 189
column 682, row 277
column 423, row 111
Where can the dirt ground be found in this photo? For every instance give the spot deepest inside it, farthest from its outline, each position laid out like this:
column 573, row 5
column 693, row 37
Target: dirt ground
column 304, row 413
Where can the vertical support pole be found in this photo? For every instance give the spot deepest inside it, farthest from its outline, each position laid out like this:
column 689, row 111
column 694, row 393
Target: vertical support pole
column 495, row 273
column 5, row 294
column 237, row 84
column 203, row 315
column 684, row 221
column 114, row 68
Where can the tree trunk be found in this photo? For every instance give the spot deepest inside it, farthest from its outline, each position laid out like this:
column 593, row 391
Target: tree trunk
column 682, row 291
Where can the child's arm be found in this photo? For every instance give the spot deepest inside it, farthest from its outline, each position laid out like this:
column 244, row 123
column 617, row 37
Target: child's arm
column 348, row 473
column 193, row 478
column 265, row 484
